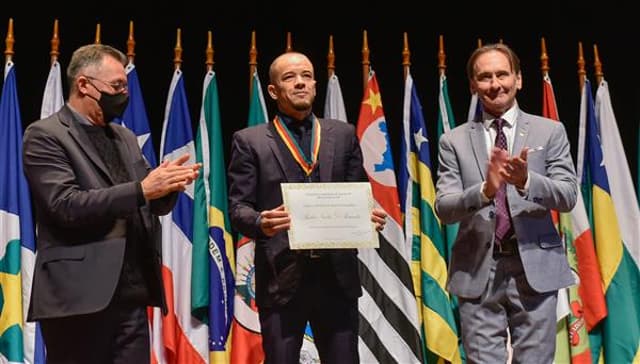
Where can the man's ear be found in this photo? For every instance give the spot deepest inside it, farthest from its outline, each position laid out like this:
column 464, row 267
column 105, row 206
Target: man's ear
column 271, row 89
column 519, row 81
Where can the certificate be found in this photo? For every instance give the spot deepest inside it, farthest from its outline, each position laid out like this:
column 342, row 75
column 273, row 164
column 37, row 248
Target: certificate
column 330, row 215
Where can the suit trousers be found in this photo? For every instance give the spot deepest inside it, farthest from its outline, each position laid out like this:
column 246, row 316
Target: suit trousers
column 117, row 335
column 509, row 303
column 320, row 301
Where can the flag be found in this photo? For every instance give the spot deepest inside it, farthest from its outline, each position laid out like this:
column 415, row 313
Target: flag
column 475, row 108
column 246, row 342
column 389, row 324
column 17, row 239
column 620, row 257
column 52, row 101
column 135, row 116
column 424, row 234
column 447, row 122
column 333, row 102
column 53, row 98
column 620, row 330
column 580, row 306
column 178, row 337
column 212, row 277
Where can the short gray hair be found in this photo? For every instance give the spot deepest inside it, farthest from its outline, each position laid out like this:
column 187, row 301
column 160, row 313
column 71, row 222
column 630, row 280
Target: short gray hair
column 90, row 55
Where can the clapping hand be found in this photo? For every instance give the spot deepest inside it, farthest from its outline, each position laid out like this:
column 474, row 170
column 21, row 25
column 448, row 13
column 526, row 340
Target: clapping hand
column 169, row 176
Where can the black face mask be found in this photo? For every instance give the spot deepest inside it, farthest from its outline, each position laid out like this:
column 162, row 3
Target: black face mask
column 112, row 105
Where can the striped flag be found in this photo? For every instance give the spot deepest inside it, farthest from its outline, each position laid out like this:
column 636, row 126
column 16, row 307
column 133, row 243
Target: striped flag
column 389, row 324
column 424, row 234
column 178, row 337
column 333, row 102
column 620, row 330
column 212, row 280
column 585, row 301
column 246, row 346
column 135, row 116
column 620, row 259
column 447, row 122
column 17, row 240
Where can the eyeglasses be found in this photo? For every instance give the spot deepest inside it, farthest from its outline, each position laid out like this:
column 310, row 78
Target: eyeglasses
column 117, row 86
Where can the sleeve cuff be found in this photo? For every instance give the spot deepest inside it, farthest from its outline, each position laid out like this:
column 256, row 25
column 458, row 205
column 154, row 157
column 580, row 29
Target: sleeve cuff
column 140, row 195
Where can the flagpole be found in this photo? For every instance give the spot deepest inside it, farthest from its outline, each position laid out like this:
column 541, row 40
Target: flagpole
column 406, row 56
column 97, row 38
column 366, row 64
column 55, row 43
column 331, row 59
column 253, row 61
column 582, row 73
column 177, row 51
column 131, row 44
column 597, row 65
column 9, row 41
column 209, row 52
column 288, row 47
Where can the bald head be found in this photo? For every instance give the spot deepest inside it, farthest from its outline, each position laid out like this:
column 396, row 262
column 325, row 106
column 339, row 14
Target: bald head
column 292, row 84
column 276, row 68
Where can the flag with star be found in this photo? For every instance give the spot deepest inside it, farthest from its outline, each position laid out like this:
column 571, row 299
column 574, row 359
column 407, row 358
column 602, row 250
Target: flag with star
column 620, row 330
column 425, row 235
column 389, row 324
column 135, row 116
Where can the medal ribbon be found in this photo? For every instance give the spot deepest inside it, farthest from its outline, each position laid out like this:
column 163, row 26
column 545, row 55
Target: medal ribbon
column 305, row 163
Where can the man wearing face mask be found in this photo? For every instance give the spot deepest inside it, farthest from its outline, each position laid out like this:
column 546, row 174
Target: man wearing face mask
column 97, row 203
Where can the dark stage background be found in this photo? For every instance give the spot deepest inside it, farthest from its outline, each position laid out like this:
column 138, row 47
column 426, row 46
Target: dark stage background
column 612, row 27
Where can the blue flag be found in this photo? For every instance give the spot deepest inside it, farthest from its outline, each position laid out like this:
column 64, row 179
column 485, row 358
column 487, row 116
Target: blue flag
column 135, row 116
column 17, row 237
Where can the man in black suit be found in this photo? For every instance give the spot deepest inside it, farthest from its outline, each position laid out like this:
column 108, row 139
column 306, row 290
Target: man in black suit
column 293, row 287
column 96, row 201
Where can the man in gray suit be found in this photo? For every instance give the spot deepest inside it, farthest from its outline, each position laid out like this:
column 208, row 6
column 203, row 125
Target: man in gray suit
column 96, row 201
column 500, row 176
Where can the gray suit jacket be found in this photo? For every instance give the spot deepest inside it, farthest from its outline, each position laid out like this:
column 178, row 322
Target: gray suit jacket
column 259, row 162
column 80, row 217
column 463, row 161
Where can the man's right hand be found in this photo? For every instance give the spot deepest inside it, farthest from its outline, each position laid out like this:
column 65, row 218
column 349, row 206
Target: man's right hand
column 497, row 163
column 274, row 221
column 169, row 176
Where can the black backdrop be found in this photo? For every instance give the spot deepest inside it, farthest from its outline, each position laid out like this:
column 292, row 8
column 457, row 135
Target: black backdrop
column 613, row 28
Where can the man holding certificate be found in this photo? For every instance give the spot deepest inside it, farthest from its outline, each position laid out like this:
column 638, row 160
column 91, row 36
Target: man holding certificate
column 296, row 286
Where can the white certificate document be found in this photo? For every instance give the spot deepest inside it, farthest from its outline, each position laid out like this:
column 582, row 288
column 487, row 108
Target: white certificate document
column 330, row 215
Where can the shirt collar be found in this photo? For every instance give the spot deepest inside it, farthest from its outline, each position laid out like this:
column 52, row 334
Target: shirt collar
column 293, row 124
column 510, row 117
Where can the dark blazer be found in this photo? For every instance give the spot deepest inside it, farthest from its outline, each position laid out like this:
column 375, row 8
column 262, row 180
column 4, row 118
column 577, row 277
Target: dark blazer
column 80, row 217
column 259, row 162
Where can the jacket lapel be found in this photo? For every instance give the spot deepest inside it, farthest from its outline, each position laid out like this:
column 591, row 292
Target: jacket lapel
column 83, row 141
column 287, row 164
column 325, row 157
column 478, row 145
column 125, row 152
column 522, row 134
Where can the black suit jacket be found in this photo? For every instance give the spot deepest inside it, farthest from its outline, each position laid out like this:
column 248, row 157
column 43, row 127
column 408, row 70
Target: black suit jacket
column 80, row 217
column 258, row 164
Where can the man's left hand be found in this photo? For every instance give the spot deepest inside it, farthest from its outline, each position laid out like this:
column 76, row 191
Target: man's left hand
column 516, row 169
column 379, row 217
